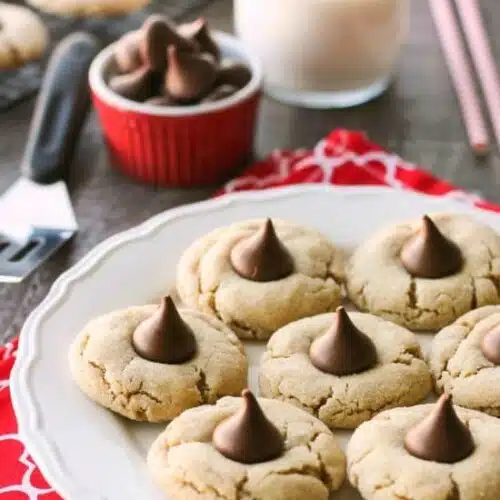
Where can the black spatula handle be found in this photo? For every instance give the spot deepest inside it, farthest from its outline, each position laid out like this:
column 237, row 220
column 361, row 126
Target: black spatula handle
column 60, row 110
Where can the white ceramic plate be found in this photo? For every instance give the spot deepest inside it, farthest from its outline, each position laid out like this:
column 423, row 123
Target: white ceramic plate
column 88, row 453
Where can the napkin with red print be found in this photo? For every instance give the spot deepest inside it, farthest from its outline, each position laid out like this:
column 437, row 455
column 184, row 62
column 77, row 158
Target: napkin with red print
column 344, row 158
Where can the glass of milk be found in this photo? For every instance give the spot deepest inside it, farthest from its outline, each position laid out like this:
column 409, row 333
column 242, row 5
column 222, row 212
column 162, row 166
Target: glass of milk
column 324, row 53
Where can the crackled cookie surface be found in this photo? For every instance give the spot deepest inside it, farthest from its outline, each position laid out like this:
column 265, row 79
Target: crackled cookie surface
column 459, row 365
column 207, row 280
column 378, row 282
column 107, row 367
column 380, row 466
column 23, row 36
column 399, row 377
column 89, row 7
column 186, row 464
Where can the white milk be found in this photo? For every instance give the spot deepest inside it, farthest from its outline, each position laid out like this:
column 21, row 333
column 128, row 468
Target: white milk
column 324, row 53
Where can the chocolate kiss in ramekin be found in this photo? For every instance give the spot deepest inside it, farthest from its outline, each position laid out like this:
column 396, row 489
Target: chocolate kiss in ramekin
column 127, row 54
column 158, row 34
column 199, row 33
column 189, row 76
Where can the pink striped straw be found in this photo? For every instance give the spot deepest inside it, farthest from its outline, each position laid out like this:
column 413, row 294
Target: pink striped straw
column 461, row 74
column 482, row 57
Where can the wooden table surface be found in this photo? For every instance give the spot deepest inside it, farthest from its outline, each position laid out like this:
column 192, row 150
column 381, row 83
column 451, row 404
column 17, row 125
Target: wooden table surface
column 418, row 118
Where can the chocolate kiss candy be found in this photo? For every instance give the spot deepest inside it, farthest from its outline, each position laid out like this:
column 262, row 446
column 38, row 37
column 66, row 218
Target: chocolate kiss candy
column 189, row 76
column 441, row 436
column 136, row 85
column 220, row 93
column 343, row 349
column 262, row 256
column 429, row 254
column 199, row 32
column 127, row 54
column 164, row 337
column 248, row 436
column 159, row 34
column 490, row 345
column 234, row 73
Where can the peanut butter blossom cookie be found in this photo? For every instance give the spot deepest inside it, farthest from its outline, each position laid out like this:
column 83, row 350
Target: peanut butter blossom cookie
column 427, row 452
column 23, row 36
column 259, row 275
column 425, row 274
column 152, row 363
column 344, row 368
column 245, row 448
column 465, row 360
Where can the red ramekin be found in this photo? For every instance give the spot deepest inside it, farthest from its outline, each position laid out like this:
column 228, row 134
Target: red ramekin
column 178, row 145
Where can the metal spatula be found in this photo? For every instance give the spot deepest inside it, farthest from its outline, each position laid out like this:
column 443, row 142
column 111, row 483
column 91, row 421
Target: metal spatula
column 36, row 216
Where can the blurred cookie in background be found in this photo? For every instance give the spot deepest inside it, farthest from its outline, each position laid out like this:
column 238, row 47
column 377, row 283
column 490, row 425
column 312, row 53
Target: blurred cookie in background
column 89, row 7
column 23, row 36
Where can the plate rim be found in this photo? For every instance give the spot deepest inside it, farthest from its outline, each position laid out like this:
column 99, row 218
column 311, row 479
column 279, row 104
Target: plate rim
column 36, row 442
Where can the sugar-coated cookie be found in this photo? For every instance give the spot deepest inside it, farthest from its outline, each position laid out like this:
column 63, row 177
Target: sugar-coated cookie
column 123, row 361
column 23, row 36
column 259, row 275
column 344, row 368
column 89, row 7
column 186, row 461
column 426, row 452
column 464, row 366
column 426, row 273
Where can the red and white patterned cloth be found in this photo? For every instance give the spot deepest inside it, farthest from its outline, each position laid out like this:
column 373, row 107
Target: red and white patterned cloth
column 20, row 478
column 343, row 158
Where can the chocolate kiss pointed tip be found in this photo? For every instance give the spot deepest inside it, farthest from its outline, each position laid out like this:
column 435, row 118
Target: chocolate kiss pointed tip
column 169, row 304
column 430, row 254
column 250, row 403
column 189, row 76
column 269, row 231
column 441, row 436
column 490, row 346
column 429, row 230
column 158, row 34
column 202, row 36
column 172, row 51
column 127, row 52
column 164, row 337
column 262, row 256
column 342, row 314
column 190, row 29
column 199, row 24
column 248, row 436
column 343, row 349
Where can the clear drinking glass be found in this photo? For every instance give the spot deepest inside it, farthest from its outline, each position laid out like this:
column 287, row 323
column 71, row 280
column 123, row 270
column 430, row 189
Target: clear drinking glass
column 324, row 53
